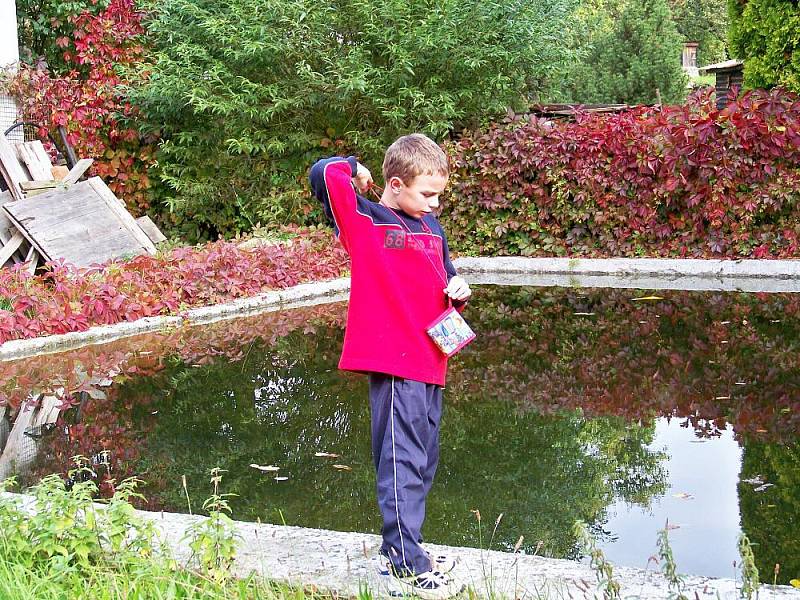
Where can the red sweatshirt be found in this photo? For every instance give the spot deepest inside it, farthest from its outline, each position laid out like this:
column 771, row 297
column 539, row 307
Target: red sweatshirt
column 397, row 279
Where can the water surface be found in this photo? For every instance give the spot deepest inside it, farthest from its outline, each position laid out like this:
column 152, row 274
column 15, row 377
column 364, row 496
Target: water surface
column 622, row 408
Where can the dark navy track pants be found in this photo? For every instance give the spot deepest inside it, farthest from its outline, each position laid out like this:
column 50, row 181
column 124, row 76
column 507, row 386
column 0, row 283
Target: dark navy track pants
column 405, row 447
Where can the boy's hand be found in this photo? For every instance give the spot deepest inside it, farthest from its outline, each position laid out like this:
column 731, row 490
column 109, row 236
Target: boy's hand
column 363, row 179
column 458, row 289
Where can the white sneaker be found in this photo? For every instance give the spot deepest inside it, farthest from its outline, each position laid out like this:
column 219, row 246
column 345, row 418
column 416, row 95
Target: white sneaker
column 439, row 562
column 430, row 585
column 442, row 563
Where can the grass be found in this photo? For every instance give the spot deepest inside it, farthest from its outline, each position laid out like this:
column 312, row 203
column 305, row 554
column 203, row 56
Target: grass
column 150, row 580
column 64, row 547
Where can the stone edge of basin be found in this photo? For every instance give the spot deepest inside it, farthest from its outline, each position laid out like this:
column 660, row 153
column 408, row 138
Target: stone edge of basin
column 617, row 271
column 667, row 267
column 342, row 563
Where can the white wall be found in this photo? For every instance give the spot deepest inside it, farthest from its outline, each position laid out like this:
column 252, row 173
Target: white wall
column 9, row 57
column 9, row 48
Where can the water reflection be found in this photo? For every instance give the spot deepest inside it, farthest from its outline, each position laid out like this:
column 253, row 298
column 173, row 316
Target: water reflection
column 553, row 414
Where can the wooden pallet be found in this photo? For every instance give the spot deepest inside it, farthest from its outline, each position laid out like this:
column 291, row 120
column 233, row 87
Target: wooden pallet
column 37, row 191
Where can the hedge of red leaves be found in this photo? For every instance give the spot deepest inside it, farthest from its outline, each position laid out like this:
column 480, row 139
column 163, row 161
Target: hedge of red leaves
column 104, row 51
column 673, row 181
column 66, row 299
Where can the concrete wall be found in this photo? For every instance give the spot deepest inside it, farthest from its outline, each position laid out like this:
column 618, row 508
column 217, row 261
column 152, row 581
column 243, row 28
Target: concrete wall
column 9, row 45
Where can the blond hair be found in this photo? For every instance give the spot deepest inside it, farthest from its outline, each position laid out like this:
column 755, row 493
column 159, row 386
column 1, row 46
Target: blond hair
column 412, row 155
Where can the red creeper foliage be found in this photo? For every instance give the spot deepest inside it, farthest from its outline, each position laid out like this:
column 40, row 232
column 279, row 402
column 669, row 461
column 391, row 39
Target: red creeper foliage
column 67, row 299
column 104, row 50
column 674, row 181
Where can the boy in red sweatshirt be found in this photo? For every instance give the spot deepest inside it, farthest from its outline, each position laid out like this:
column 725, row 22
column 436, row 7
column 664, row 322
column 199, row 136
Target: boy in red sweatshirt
column 401, row 281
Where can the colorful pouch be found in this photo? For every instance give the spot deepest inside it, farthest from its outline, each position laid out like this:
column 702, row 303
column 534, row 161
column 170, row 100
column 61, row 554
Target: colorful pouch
column 450, row 332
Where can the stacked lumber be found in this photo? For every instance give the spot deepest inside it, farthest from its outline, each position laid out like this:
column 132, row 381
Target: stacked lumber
column 48, row 213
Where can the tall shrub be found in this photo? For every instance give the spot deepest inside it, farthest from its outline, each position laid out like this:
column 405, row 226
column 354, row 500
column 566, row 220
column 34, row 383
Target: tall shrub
column 764, row 33
column 248, row 92
column 630, row 54
column 704, row 22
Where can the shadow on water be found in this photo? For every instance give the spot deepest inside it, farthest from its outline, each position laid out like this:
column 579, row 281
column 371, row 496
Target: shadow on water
column 551, row 416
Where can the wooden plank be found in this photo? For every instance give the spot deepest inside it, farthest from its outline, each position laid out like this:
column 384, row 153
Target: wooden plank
column 84, row 224
column 151, row 229
column 78, row 170
column 36, row 168
column 116, row 206
column 8, row 229
column 32, row 258
column 39, row 184
column 8, row 249
column 11, row 169
column 38, row 149
column 59, row 172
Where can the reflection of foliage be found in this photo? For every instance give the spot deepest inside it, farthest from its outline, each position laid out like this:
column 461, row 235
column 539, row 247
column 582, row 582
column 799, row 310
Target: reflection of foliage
column 106, row 420
column 680, row 356
column 283, row 405
column 771, row 516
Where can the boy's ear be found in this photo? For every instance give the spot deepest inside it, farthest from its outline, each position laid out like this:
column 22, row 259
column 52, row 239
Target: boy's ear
column 396, row 184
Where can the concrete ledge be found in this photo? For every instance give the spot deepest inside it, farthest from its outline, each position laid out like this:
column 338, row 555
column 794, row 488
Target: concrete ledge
column 640, row 273
column 343, row 563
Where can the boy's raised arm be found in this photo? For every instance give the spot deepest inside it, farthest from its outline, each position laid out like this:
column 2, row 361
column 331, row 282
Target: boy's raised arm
column 331, row 182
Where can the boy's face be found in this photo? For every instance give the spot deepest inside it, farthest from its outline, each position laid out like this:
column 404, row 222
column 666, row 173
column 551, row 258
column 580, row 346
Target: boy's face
column 420, row 196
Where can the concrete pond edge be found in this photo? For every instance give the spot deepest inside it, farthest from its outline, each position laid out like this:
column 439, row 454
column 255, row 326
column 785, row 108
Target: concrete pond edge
column 344, row 564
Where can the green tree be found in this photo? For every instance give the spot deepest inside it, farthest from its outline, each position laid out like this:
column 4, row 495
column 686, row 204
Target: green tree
column 766, row 35
column 704, row 22
column 247, row 93
column 629, row 50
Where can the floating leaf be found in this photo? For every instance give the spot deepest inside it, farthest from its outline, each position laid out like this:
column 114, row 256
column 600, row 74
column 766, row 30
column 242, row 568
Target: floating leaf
column 266, row 468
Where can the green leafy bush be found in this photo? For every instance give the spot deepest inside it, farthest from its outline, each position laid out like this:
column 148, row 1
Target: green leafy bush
column 766, row 35
column 629, row 51
column 247, row 93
